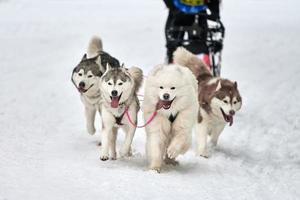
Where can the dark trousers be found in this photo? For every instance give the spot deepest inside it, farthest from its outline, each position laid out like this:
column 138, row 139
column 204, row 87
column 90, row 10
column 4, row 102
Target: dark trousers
column 177, row 18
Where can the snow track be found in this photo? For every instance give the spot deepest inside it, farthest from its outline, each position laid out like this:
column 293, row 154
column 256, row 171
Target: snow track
column 45, row 152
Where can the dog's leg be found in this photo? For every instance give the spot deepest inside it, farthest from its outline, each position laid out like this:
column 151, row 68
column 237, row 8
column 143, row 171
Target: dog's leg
column 182, row 133
column 155, row 150
column 126, row 148
column 170, row 161
column 129, row 130
column 201, row 138
column 90, row 114
column 156, row 139
column 108, row 122
column 215, row 134
column 112, row 145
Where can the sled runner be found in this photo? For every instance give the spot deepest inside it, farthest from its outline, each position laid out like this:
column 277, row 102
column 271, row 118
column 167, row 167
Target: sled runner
column 192, row 25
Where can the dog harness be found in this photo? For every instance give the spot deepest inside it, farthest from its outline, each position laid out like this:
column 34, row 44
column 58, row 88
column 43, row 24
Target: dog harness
column 134, row 124
column 119, row 119
column 172, row 118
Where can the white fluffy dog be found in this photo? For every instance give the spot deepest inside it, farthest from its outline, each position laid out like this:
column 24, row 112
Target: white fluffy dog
column 171, row 92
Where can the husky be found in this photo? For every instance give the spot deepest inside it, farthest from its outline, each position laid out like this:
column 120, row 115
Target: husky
column 118, row 88
column 171, row 93
column 86, row 76
column 219, row 100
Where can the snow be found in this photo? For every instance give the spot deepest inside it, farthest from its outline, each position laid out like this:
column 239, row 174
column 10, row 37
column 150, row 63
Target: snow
column 45, row 152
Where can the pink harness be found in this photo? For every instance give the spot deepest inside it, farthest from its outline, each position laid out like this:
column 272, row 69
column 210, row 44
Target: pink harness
column 142, row 126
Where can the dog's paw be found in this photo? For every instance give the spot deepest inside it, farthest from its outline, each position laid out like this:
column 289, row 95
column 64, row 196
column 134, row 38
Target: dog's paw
column 172, row 152
column 155, row 169
column 113, row 156
column 204, row 153
column 104, row 157
column 173, row 162
column 124, row 152
column 91, row 129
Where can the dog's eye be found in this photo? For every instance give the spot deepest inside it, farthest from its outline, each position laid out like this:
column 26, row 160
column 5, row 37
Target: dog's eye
column 225, row 101
column 109, row 83
column 80, row 74
column 120, row 84
column 161, row 87
column 90, row 76
column 172, row 88
column 234, row 102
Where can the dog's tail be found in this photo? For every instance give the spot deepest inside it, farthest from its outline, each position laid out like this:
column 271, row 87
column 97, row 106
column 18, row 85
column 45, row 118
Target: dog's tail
column 95, row 47
column 187, row 59
column 137, row 75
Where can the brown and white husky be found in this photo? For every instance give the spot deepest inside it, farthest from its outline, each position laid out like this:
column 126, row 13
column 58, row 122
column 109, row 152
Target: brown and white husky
column 219, row 100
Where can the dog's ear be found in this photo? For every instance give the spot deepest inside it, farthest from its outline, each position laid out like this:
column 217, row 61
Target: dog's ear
column 108, row 67
column 235, row 85
column 137, row 75
column 156, row 70
column 84, row 57
column 98, row 60
column 219, row 85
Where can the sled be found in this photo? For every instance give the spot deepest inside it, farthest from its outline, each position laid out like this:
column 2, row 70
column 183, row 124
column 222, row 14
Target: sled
column 204, row 36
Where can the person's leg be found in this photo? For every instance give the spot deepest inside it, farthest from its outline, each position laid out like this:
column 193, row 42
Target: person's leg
column 214, row 7
column 174, row 38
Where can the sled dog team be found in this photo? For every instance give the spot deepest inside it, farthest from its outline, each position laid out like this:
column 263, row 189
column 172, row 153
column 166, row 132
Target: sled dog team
column 177, row 98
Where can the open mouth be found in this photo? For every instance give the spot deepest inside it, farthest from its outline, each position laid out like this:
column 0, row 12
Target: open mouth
column 82, row 90
column 115, row 101
column 164, row 104
column 227, row 118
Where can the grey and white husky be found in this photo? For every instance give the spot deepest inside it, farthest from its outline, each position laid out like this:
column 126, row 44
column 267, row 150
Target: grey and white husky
column 86, row 76
column 118, row 90
column 219, row 100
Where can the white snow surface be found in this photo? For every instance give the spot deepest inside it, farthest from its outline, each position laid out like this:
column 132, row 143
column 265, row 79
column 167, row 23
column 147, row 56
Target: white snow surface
column 46, row 153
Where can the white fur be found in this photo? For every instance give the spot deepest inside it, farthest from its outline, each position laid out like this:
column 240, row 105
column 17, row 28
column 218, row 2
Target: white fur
column 213, row 124
column 166, row 140
column 110, row 128
column 95, row 46
column 92, row 98
column 213, row 81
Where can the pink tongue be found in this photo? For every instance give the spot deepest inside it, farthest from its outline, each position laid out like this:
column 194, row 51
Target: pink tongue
column 114, row 102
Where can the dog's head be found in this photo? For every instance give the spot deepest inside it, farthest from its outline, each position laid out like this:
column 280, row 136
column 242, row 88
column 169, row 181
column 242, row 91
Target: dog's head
column 171, row 83
column 86, row 75
column 118, row 84
column 226, row 100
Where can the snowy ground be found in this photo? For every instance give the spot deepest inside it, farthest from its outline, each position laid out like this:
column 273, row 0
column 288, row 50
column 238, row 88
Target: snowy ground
column 45, row 152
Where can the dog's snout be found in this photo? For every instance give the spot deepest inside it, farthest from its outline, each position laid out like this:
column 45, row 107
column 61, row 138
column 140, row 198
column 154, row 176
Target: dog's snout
column 81, row 84
column 166, row 96
column 114, row 93
column 231, row 112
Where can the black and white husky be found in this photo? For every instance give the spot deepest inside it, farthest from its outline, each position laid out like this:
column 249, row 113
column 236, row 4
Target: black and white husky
column 219, row 100
column 118, row 88
column 86, row 76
